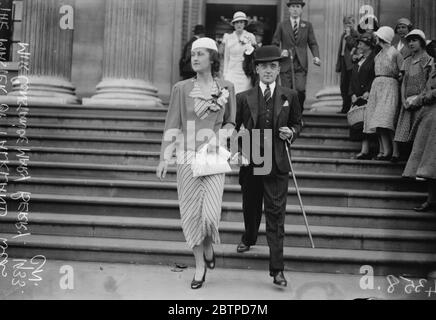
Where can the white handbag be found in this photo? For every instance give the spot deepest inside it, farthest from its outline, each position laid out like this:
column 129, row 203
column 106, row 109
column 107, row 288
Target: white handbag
column 209, row 163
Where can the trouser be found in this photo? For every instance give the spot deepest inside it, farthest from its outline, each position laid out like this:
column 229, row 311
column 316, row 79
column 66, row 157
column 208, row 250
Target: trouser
column 271, row 191
column 300, row 84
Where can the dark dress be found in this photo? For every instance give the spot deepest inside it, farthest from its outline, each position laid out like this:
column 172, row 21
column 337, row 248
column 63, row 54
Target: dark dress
column 361, row 82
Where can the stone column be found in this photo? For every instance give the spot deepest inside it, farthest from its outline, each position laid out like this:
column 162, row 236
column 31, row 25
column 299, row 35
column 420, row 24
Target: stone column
column 45, row 56
column 329, row 97
column 424, row 13
column 128, row 55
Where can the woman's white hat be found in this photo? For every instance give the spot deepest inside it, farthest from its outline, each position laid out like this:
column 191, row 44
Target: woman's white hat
column 239, row 16
column 206, row 43
column 385, row 33
column 418, row 33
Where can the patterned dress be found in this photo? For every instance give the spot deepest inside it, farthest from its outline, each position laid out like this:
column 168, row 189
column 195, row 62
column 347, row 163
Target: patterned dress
column 422, row 161
column 417, row 70
column 200, row 198
column 382, row 108
column 234, row 59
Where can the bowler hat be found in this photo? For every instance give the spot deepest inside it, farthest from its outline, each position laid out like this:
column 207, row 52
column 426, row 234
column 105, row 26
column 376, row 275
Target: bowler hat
column 267, row 54
column 291, row 2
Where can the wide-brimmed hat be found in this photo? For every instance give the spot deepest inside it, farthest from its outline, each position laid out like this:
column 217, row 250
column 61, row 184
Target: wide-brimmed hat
column 417, row 33
column 385, row 33
column 239, row 16
column 268, row 54
column 199, row 29
column 367, row 20
column 291, row 2
column 404, row 21
column 367, row 38
column 206, row 43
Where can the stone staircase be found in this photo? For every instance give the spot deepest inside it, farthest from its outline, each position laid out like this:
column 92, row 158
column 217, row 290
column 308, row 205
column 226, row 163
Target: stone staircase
column 95, row 197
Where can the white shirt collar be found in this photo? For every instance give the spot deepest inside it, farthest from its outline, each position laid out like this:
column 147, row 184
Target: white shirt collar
column 272, row 87
column 293, row 21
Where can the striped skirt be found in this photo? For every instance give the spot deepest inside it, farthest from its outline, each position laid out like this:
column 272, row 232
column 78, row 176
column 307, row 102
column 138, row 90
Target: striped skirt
column 200, row 201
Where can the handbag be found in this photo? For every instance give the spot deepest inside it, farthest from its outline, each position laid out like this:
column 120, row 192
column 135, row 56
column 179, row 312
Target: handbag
column 210, row 163
column 357, row 112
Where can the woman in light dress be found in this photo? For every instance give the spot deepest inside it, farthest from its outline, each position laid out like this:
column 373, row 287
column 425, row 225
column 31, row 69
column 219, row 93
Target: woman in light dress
column 417, row 67
column 237, row 45
column 382, row 109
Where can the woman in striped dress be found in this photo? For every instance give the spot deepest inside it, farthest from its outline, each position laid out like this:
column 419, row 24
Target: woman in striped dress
column 199, row 109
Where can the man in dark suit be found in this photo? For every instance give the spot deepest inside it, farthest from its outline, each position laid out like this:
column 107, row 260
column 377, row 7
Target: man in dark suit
column 294, row 36
column 185, row 66
column 273, row 113
column 344, row 64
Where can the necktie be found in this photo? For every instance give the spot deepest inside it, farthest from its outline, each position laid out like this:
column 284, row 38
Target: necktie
column 267, row 94
column 295, row 29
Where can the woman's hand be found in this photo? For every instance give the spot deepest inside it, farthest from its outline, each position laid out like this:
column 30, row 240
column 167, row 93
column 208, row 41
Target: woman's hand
column 161, row 170
column 365, row 96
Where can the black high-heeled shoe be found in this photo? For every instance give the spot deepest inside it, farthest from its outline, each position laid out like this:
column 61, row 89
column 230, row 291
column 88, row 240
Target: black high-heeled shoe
column 210, row 264
column 198, row 284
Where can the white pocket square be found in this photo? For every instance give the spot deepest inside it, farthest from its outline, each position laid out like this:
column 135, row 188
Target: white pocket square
column 286, row 104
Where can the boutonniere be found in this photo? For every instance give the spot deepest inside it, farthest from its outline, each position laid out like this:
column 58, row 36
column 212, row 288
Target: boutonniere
column 219, row 100
column 303, row 25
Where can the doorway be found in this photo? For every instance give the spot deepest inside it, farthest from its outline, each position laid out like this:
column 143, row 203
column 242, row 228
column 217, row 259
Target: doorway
column 263, row 19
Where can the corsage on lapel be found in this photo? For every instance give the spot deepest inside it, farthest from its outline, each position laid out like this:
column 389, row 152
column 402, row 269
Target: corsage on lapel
column 302, row 25
column 219, row 99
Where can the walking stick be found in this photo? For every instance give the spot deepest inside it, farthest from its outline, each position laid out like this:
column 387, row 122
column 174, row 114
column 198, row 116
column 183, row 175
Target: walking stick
column 298, row 194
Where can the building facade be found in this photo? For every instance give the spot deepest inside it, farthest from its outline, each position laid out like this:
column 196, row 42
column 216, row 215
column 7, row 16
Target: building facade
column 113, row 50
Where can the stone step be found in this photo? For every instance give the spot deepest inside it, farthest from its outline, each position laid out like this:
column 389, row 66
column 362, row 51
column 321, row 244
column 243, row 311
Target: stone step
column 232, row 192
column 132, row 171
column 114, row 156
column 149, row 143
column 306, row 179
column 167, row 252
column 75, row 109
column 153, row 129
column 327, row 128
column 230, row 232
column 90, row 120
column 231, row 211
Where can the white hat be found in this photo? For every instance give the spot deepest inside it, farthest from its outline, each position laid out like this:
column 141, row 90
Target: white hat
column 418, row 33
column 239, row 16
column 206, row 43
column 385, row 33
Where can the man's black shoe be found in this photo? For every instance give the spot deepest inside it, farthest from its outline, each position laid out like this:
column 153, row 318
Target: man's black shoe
column 242, row 248
column 279, row 279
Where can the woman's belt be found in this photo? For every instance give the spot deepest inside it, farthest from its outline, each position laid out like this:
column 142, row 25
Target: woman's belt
column 384, row 76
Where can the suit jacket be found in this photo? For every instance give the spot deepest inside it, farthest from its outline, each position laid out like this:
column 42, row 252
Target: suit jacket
column 185, row 66
column 361, row 80
column 284, row 35
column 285, row 115
column 350, row 43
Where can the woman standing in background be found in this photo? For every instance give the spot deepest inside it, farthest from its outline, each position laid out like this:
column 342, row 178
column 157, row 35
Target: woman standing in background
column 237, row 45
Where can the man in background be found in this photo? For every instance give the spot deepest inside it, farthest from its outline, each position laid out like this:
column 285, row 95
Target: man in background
column 294, row 36
column 185, row 67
